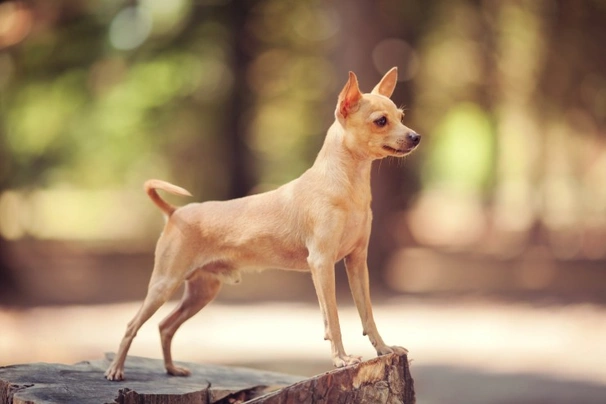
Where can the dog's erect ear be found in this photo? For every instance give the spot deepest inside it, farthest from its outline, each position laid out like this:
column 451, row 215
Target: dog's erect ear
column 350, row 97
column 387, row 83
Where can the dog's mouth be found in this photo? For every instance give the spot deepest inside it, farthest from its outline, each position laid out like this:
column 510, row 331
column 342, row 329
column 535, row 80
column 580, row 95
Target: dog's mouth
column 398, row 152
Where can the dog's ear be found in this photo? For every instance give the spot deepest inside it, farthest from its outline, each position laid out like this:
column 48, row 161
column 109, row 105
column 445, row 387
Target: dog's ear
column 349, row 98
column 387, row 83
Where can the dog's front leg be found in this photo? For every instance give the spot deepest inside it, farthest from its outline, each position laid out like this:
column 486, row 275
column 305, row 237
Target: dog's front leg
column 357, row 274
column 323, row 275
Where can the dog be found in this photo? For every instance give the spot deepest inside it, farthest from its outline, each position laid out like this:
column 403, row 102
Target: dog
column 308, row 224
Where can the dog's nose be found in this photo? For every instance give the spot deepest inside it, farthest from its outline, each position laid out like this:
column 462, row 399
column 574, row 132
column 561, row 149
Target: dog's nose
column 413, row 137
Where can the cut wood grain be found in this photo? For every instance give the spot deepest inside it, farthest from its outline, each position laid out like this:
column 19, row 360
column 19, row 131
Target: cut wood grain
column 84, row 383
column 384, row 379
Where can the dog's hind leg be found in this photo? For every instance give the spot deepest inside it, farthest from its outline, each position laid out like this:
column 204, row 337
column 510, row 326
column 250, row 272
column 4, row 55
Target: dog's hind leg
column 158, row 293
column 169, row 272
column 200, row 290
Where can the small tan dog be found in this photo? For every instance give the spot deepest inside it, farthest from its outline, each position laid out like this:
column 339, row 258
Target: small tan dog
column 308, row 224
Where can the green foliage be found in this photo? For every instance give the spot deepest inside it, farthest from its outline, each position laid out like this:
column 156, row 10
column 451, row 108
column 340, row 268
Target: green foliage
column 462, row 150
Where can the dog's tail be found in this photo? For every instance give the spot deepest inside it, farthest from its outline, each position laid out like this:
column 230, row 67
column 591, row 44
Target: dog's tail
column 151, row 186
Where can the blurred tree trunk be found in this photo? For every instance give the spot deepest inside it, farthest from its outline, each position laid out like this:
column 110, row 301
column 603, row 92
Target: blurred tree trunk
column 243, row 176
column 8, row 285
column 520, row 135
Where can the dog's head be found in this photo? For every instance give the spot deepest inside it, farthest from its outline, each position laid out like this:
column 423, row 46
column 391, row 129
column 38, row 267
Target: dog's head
column 372, row 122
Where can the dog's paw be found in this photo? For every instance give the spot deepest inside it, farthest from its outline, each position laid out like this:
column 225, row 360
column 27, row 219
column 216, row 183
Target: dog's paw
column 177, row 371
column 114, row 373
column 346, row 360
column 384, row 350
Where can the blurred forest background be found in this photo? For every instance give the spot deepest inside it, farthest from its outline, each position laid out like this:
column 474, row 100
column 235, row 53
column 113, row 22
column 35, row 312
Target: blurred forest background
column 505, row 199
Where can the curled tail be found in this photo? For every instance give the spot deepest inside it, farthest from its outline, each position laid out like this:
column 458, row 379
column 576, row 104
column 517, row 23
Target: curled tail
column 151, row 186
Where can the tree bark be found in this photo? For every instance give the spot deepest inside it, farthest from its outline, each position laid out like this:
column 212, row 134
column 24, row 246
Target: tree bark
column 385, row 379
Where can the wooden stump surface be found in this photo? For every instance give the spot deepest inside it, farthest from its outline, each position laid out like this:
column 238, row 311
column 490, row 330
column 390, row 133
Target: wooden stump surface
column 385, row 379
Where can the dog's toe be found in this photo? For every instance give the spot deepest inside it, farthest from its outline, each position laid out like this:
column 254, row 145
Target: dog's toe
column 346, row 360
column 114, row 374
column 400, row 350
column 177, row 371
column 384, row 350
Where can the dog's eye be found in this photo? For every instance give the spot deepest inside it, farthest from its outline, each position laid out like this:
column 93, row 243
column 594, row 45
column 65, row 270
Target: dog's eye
column 382, row 121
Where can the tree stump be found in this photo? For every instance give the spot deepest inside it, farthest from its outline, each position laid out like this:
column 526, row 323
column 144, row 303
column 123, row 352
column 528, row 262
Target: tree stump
column 385, row 379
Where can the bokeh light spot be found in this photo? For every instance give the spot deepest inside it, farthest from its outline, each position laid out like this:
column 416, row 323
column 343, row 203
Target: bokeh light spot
column 130, row 28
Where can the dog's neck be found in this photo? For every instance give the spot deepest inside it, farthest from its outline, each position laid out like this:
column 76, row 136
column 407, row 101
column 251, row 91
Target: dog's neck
column 345, row 170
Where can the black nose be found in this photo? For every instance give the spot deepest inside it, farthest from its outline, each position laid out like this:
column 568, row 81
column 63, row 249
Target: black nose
column 413, row 137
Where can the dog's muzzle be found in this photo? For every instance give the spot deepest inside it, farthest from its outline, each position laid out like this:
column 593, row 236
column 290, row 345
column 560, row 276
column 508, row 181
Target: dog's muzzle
column 406, row 144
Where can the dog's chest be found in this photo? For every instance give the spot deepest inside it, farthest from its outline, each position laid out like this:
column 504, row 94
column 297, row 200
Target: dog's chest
column 357, row 226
